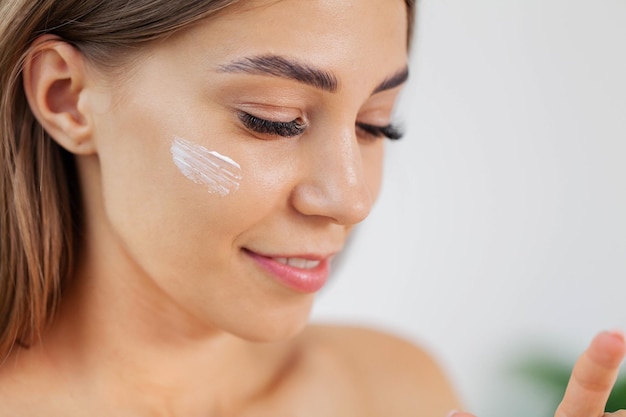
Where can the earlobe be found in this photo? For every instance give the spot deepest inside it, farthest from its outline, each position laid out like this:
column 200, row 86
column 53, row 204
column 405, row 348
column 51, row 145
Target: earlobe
column 54, row 82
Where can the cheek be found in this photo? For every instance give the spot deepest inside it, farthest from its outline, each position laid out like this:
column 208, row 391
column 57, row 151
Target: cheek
column 227, row 191
column 269, row 169
column 217, row 173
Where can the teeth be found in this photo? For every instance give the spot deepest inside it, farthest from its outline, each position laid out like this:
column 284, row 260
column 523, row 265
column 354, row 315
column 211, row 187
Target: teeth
column 298, row 262
column 302, row 263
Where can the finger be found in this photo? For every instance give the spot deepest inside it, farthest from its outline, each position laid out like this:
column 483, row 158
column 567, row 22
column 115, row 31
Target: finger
column 593, row 377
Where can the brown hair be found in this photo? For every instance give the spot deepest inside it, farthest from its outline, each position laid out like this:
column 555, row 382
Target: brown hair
column 40, row 212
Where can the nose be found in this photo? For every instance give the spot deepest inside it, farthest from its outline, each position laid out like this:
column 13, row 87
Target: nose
column 334, row 183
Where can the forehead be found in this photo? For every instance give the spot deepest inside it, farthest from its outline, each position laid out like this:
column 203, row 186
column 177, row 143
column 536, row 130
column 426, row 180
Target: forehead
column 357, row 39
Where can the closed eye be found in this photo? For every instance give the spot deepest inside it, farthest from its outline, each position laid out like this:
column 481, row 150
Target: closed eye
column 390, row 131
column 272, row 128
column 297, row 127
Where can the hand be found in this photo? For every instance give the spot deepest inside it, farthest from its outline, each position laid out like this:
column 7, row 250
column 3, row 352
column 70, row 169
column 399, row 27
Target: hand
column 592, row 379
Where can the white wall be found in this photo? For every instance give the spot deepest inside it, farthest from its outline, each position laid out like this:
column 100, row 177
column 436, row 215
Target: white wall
column 502, row 223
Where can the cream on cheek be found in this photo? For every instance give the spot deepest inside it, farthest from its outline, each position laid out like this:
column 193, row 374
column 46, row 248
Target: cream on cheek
column 220, row 174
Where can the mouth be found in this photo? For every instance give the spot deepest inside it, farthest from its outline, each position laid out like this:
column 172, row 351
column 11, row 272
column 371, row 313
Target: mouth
column 300, row 273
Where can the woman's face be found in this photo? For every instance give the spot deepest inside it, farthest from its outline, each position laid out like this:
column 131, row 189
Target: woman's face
column 234, row 158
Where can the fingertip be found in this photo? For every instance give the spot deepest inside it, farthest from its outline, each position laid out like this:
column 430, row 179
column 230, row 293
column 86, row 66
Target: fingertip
column 615, row 338
column 609, row 347
column 618, row 335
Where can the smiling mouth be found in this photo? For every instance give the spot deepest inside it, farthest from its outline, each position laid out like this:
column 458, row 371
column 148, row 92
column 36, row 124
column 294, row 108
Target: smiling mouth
column 298, row 273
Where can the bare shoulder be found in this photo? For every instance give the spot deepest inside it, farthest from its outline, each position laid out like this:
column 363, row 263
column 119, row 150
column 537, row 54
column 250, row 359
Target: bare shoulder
column 399, row 378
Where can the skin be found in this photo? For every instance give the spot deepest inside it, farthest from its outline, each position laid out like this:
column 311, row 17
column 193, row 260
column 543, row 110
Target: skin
column 167, row 315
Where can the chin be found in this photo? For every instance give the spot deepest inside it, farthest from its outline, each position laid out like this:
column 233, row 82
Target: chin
column 273, row 329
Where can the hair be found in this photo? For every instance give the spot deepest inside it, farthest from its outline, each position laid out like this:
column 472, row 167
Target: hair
column 40, row 211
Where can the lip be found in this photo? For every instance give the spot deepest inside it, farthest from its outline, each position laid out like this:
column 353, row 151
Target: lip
column 298, row 279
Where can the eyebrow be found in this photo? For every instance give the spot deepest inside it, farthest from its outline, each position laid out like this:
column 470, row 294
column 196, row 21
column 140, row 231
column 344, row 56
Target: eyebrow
column 280, row 66
column 394, row 81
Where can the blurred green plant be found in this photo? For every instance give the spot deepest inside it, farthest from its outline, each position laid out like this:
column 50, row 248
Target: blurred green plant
column 553, row 375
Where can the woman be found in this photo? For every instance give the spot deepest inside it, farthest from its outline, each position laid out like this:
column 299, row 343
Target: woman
column 177, row 177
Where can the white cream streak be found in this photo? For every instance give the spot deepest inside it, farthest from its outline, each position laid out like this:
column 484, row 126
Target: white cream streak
column 219, row 173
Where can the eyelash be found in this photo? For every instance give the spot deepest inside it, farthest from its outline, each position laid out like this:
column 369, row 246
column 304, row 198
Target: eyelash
column 266, row 127
column 297, row 127
column 391, row 131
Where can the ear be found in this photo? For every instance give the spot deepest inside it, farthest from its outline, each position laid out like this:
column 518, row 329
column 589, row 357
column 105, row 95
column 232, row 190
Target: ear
column 54, row 80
